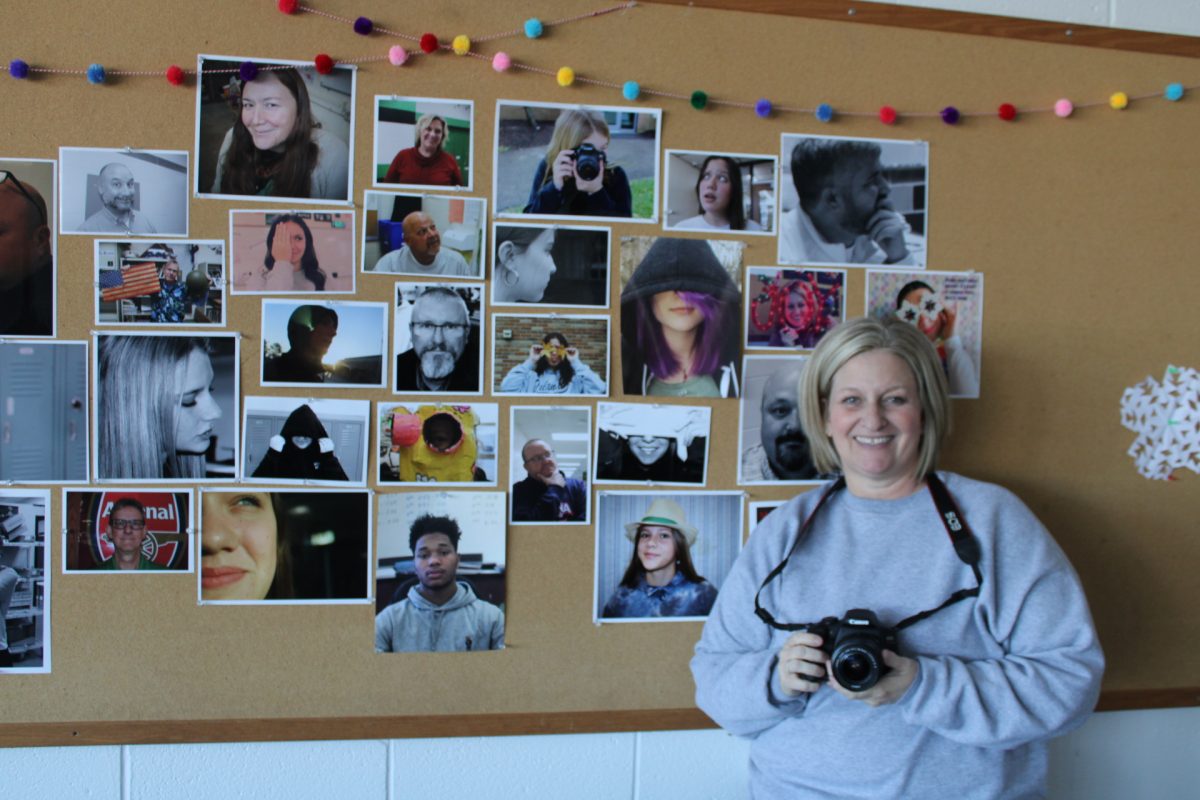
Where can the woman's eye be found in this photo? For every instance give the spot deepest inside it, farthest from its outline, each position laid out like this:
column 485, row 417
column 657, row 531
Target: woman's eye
column 188, row 400
column 247, row 500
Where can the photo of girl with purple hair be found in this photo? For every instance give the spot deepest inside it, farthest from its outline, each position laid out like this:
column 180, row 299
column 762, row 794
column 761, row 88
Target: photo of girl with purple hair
column 679, row 323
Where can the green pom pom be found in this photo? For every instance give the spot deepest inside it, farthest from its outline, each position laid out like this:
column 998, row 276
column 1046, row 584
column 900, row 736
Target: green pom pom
column 699, row 100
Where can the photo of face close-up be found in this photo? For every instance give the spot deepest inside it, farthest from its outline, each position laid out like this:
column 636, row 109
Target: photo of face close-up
column 282, row 134
column 279, row 546
column 438, row 338
column 424, row 235
column 790, row 308
column 727, row 192
column 27, row 247
column 422, row 141
column 123, row 192
column 293, row 252
column 550, row 265
column 774, row 448
column 636, row 443
column 127, row 531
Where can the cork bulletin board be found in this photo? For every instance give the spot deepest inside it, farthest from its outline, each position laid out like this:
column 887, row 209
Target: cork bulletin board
column 1084, row 229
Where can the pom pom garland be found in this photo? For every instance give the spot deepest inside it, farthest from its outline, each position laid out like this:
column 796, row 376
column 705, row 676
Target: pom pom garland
column 95, row 74
column 824, row 112
column 888, row 115
column 288, row 6
column 699, row 100
column 429, row 43
column 1118, row 101
column 501, row 62
column 18, row 68
column 174, row 75
column 397, row 55
column 363, row 26
column 1173, row 92
column 631, row 90
column 248, row 70
column 763, row 108
column 533, row 27
column 950, row 115
column 1064, row 108
column 461, row 45
column 565, row 76
column 323, row 63
column 1007, row 112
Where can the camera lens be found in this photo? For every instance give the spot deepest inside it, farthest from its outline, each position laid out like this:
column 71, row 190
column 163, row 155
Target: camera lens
column 856, row 669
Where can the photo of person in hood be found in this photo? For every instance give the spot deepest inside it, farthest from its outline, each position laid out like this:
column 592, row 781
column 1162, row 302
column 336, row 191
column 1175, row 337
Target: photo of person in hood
column 657, row 444
column 679, row 323
column 302, row 450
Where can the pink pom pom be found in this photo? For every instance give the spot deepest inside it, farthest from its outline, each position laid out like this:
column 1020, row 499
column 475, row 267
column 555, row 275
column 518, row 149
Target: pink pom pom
column 1064, row 108
column 397, row 55
column 501, row 62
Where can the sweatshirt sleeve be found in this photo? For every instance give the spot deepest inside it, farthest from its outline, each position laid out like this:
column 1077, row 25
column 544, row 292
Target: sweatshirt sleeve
column 960, row 369
column 586, row 381
column 518, row 378
column 383, row 631
column 1046, row 679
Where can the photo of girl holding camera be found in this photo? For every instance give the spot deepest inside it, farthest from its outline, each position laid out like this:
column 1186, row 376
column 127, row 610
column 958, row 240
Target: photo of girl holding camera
column 575, row 177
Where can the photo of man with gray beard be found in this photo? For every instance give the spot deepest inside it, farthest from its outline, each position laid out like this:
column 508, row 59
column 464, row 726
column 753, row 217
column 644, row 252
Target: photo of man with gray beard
column 444, row 340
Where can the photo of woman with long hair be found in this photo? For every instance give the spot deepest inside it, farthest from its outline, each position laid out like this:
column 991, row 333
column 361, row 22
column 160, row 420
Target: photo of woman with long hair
column 553, row 367
column 575, row 177
column 524, row 263
column 290, row 264
column 719, row 198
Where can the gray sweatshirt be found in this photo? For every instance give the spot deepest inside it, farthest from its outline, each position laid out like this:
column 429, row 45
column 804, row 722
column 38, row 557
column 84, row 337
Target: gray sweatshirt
column 464, row 623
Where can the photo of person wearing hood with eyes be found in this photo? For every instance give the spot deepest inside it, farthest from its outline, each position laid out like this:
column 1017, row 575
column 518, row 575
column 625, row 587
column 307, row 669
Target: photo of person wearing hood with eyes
column 301, row 451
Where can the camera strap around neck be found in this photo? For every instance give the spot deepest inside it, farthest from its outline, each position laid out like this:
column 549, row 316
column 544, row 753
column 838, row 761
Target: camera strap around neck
column 966, row 546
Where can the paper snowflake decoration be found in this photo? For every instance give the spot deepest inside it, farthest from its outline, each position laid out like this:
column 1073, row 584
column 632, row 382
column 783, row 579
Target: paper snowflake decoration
column 1166, row 418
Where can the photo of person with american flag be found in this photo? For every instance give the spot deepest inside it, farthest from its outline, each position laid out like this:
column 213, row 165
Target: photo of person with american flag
column 155, row 283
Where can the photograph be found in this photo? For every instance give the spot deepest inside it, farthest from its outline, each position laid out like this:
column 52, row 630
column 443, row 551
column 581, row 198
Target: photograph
column 292, row 252
column 314, row 441
column 945, row 306
column 44, row 412
column 424, row 234
column 123, row 191
column 452, row 444
column 160, row 283
column 663, row 556
column 285, row 134
column 166, row 406
column 596, row 162
column 550, row 455
column 639, row 443
column 759, row 509
column 722, row 192
column 113, row 530
column 790, row 308
column 423, row 141
column 772, row 444
column 680, row 308
column 333, row 343
column 24, row 581
column 856, row 202
column 550, row 354
column 285, row 547
column 438, row 338
column 440, row 577
column 28, row 288
column 550, row 265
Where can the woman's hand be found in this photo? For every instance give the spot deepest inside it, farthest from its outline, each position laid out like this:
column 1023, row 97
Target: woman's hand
column 535, row 352
column 788, row 336
column 801, row 663
column 573, row 354
column 949, row 317
column 887, row 228
column 563, row 168
column 281, row 245
column 891, row 687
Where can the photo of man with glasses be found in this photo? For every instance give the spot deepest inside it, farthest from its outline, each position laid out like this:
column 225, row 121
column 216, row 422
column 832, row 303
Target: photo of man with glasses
column 127, row 531
column 26, row 270
column 546, row 494
column 443, row 351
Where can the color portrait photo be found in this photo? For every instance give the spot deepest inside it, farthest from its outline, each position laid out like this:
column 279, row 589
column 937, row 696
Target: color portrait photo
column 423, row 141
column 292, row 252
column 28, row 289
column 721, row 192
column 424, row 235
column 451, row 444
column 160, row 283
column 128, row 530
column 791, row 308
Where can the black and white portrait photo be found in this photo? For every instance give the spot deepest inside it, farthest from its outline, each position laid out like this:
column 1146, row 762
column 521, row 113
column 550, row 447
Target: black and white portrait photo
column 550, row 265
column 25, row 573
column 123, row 192
column 639, row 443
column 439, row 338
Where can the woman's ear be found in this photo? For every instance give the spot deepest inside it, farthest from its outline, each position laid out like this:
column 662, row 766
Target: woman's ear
column 505, row 253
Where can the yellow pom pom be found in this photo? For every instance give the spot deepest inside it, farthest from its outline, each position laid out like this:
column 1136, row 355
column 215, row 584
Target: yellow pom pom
column 1119, row 100
column 566, row 76
column 461, row 45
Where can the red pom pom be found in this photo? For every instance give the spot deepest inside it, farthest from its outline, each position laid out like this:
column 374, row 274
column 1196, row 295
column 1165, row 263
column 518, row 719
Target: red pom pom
column 1007, row 112
column 887, row 115
column 324, row 64
column 288, row 6
column 174, row 75
column 429, row 42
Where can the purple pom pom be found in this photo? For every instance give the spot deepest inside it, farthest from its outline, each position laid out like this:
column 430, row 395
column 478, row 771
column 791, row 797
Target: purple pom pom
column 363, row 26
column 950, row 115
column 248, row 70
column 18, row 68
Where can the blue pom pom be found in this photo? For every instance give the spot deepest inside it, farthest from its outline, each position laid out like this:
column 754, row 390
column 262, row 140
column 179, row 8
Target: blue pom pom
column 533, row 27
column 631, row 90
column 1174, row 92
column 824, row 112
column 18, row 68
column 95, row 74
column 763, row 108
column 248, row 70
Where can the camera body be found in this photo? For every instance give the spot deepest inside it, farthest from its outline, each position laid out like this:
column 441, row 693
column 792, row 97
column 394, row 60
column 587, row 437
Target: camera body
column 589, row 161
column 855, row 645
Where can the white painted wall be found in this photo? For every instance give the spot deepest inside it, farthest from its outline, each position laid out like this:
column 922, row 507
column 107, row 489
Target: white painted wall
column 1126, row 755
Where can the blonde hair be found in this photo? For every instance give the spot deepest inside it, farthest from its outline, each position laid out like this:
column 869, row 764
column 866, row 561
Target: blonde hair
column 853, row 338
column 427, row 120
column 570, row 129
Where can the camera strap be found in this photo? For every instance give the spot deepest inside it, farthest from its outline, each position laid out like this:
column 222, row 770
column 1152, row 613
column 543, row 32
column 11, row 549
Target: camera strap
column 966, row 546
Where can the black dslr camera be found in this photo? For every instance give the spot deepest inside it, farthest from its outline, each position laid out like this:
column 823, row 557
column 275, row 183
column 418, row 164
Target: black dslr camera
column 589, row 161
column 855, row 644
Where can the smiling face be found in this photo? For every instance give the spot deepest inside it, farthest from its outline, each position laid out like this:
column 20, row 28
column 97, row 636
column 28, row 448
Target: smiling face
column 795, row 311
column 431, row 137
column 127, row 530
column 239, row 543
column 656, row 549
column 117, row 190
column 269, row 112
column 675, row 313
column 648, row 449
column 422, row 237
column 533, row 268
column 197, row 406
column 714, row 189
column 170, row 273
column 873, row 418
column 436, row 562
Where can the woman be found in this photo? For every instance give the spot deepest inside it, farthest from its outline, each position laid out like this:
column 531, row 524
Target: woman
column 660, row 580
column 427, row 163
column 918, row 304
column 276, row 148
column 719, row 194
column 290, row 247
column 574, row 177
column 973, row 687
column 244, row 547
column 156, row 407
column 524, row 264
column 553, row 367
column 804, row 322
column 679, row 323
